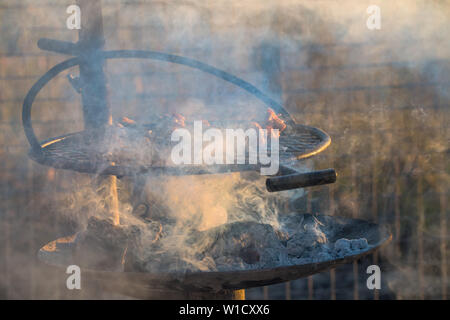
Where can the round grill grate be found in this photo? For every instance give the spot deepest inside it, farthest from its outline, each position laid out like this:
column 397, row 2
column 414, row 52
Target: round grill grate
column 77, row 151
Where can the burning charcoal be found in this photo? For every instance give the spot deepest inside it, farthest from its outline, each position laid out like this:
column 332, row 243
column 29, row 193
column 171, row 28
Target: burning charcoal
column 292, row 222
column 314, row 229
column 307, row 239
column 359, row 244
column 274, row 121
column 343, row 247
column 158, row 210
column 127, row 121
column 283, row 236
column 103, row 245
column 250, row 255
column 208, row 263
column 133, row 264
column 136, row 261
column 153, row 212
column 133, row 261
column 165, row 124
column 227, row 263
column 178, row 119
column 296, row 247
column 141, row 210
column 153, row 231
column 148, row 241
column 247, row 240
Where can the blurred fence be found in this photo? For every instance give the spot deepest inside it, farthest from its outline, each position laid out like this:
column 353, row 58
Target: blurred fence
column 388, row 119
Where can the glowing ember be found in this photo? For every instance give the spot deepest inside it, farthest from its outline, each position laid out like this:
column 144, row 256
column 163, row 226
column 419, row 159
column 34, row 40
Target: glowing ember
column 274, row 121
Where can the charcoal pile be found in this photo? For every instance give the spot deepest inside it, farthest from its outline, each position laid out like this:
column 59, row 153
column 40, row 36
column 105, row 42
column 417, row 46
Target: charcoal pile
column 242, row 245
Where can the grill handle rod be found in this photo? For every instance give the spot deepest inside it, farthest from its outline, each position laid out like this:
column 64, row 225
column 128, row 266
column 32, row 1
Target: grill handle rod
column 58, row 46
column 301, row 180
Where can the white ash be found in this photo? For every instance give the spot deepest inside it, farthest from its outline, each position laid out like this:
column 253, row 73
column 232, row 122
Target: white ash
column 345, row 246
column 249, row 245
column 307, row 243
column 242, row 245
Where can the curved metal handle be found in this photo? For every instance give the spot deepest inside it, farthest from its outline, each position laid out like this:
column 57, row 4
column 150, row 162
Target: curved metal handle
column 31, row 95
column 195, row 64
column 301, row 180
column 134, row 54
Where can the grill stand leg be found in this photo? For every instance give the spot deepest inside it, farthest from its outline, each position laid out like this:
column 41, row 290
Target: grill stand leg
column 94, row 93
column 143, row 292
column 114, row 201
column 188, row 295
column 224, row 295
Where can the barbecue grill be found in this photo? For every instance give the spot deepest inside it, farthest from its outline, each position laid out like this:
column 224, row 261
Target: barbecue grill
column 80, row 152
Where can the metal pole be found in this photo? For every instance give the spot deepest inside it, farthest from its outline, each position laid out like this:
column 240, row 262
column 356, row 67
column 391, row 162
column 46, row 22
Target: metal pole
column 91, row 39
column 94, row 92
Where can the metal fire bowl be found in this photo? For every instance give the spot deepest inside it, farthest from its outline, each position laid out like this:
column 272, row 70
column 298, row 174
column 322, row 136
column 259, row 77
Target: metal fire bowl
column 59, row 254
column 78, row 152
